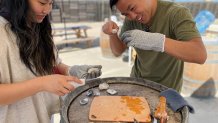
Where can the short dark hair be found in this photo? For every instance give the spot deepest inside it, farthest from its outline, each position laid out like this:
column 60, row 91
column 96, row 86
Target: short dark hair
column 112, row 3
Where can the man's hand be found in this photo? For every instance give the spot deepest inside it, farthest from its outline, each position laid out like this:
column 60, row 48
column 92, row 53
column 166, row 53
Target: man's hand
column 85, row 71
column 144, row 40
column 110, row 28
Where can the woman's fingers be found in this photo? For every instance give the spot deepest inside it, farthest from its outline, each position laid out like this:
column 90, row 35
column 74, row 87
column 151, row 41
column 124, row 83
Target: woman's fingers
column 68, row 86
column 74, row 79
column 61, row 85
column 64, row 90
column 59, row 93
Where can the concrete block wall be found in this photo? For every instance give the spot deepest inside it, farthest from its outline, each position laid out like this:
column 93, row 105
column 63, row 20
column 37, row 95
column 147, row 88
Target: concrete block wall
column 97, row 10
column 80, row 10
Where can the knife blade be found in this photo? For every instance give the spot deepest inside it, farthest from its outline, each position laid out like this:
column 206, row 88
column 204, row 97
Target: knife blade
column 154, row 120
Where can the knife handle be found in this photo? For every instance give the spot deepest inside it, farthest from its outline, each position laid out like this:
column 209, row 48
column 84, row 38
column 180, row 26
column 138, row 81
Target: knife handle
column 160, row 112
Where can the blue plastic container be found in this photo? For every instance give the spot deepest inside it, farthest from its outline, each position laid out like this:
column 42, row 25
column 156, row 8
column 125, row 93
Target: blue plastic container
column 203, row 20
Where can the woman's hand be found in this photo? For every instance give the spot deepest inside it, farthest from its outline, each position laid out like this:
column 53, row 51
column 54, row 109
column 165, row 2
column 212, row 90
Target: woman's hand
column 58, row 84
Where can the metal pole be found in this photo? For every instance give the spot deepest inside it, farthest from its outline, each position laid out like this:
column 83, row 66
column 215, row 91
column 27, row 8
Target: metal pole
column 102, row 9
column 63, row 16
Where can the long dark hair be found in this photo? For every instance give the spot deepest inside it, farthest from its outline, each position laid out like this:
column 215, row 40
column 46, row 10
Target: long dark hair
column 35, row 43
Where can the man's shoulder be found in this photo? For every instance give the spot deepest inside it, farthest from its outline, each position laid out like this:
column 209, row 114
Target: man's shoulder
column 172, row 10
column 173, row 7
column 169, row 6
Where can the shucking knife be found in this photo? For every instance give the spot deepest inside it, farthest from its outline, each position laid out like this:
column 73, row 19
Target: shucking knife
column 160, row 112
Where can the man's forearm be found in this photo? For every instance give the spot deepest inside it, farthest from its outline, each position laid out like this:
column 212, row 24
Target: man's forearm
column 188, row 51
column 117, row 46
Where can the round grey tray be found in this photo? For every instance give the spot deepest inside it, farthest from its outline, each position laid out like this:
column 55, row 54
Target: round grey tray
column 73, row 112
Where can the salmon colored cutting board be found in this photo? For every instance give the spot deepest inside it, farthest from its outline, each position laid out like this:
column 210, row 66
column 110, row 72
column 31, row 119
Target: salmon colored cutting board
column 119, row 108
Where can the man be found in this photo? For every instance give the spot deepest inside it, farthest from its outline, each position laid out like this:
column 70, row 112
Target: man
column 164, row 36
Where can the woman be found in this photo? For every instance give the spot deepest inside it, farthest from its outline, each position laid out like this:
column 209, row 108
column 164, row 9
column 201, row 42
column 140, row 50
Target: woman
column 29, row 92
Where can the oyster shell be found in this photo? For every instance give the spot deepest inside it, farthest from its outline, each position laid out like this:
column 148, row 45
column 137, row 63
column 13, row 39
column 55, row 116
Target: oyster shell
column 103, row 86
column 111, row 91
column 84, row 101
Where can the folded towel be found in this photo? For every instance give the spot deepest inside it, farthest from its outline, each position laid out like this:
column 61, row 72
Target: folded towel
column 175, row 101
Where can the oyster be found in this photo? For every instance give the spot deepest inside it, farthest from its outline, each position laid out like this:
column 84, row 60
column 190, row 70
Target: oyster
column 111, row 91
column 84, row 101
column 89, row 93
column 103, row 86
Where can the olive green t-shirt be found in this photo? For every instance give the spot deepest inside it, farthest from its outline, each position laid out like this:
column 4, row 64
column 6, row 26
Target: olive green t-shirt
column 175, row 22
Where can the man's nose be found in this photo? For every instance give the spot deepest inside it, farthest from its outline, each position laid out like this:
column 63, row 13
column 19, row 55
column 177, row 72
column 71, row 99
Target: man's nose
column 132, row 15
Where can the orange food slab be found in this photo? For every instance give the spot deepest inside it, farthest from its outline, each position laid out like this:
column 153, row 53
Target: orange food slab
column 119, row 109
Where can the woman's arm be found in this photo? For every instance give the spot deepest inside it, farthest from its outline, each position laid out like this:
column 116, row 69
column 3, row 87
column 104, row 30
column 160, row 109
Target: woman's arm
column 10, row 93
column 57, row 84
column 63, row 69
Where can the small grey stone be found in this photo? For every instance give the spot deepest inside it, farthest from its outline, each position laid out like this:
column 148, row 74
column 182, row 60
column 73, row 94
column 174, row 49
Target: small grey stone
column 103, row 86
column 84, row 101
column 96, row 93
column 89, row 93
column 111, row 91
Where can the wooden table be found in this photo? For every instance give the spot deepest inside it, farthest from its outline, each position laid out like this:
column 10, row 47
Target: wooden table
column 72, row 34
column 77, row 29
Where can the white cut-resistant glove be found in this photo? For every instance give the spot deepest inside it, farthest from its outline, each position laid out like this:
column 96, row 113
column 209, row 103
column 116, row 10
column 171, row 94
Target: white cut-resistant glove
column 144, row 40
column 85, row 71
